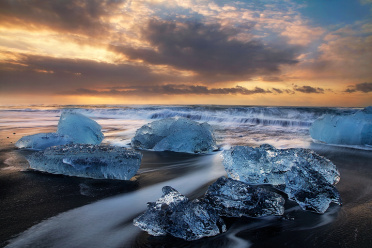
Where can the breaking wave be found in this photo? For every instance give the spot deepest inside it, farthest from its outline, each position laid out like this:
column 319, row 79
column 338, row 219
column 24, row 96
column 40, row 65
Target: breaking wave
column 223, row 115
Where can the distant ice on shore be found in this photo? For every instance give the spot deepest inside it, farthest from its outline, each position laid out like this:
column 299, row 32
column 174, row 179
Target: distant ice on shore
column 353, row 129
column 177, row 135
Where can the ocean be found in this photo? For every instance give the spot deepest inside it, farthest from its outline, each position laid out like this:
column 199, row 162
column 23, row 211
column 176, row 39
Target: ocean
column 44, row 210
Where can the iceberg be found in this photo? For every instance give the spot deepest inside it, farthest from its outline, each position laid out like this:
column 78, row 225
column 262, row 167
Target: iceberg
column 175, row 134
column 82, row 129
column 355, row 129
column 72, row 128
column 41, row 141
column 302, row 174
column 175, row 215
column 92, row 161
column 232, row 198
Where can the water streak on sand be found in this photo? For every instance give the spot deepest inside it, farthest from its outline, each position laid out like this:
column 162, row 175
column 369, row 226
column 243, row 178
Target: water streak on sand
column 107, row 223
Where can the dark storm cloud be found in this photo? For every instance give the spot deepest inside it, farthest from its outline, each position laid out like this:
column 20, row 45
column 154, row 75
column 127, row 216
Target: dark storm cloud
column 46, row 74
column 362, row 87
column 169, row 89
column 73, row 16
column 308, row 89
column 209, row 50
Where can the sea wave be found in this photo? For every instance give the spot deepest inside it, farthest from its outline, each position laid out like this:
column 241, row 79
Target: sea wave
column 265, row 116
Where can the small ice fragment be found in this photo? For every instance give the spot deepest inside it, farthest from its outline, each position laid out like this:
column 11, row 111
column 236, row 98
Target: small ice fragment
column 175, row 134
column 82, row 129
column 234, row 198
column 354, row 129
column 41, row 141
column 93, row 161
column 174, row 214
column 302, row 174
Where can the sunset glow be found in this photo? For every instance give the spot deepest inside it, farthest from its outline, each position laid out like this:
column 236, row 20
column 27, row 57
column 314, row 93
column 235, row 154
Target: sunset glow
column 287, row 53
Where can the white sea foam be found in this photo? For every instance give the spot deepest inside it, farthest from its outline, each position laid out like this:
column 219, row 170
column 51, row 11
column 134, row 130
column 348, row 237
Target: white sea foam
column 283, row 127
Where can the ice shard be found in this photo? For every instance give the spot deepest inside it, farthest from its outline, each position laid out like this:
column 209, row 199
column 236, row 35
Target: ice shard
column 82, row 160
column 355, row 129
column 232, row 198
column 175, row 215
column 82, row 129
column 41, row 141
column 302, row 174
column 175, row 134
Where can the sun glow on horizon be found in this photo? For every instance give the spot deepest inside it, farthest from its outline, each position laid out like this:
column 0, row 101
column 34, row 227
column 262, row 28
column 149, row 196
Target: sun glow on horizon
column 184, row 52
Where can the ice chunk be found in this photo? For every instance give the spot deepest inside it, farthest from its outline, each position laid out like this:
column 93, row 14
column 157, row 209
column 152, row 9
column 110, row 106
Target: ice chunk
column 355, row 129
column 234, row 198
column 79, row 127
column 174, row 214
column 310, row 189
column 175, row 134
column 41, row 141
column 302, row 174
column 72, row 128
column 93, row 161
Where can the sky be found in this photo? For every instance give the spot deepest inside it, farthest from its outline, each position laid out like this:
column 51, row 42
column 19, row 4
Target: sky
column 272, row 52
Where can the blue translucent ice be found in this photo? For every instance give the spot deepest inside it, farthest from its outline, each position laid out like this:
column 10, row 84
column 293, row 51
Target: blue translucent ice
column 174, row 214
column 302, row 174
column 41, row 141
column 93, row 161
column 355, row 129
column 232, row 198
column 80, row 128
column 175, row 134
column 72, row 128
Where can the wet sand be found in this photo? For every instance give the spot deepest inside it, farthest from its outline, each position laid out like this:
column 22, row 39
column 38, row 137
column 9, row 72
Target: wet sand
column 45, row 210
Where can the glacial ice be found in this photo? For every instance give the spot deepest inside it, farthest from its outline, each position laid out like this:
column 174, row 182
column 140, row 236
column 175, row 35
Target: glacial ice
column 175, row 134
column 72, row 128
column 354, row 129
column 82, row 129
column 233, row 198
column 174, row 214
column 41, row 141
column 302, row 174
column 82, row 160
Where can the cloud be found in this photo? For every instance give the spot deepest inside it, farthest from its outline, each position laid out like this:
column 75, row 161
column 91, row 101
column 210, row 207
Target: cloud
column 208, row 49
column 72, row 16
column 362, row 87
column 308, row 89
column 272, row 79
column 168, row 89
column 277, row 90
column 42, row 74
column 191, row 47
column 22, row 73
column 344, row 54
column 282, row 91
